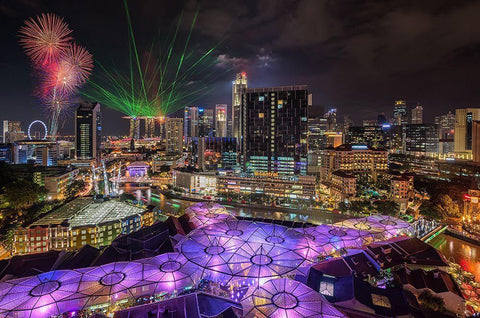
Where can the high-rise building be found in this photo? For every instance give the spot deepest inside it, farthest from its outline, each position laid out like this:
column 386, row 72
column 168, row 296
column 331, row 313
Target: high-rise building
column 205, row 122
column 214, row 153
column 88, row 128
column 420, row 139
column 464, row 131
column 239, row 85
column 174, row 135
column 275, row 129
column 12, row 131
column 372, row 136
column 220, row 120
column 190, row 122
column 331, row 117
column 400, row 113
column 317, row 140
column 446, row 125
column 149, row 127
column 417, row 115
column 134, row 128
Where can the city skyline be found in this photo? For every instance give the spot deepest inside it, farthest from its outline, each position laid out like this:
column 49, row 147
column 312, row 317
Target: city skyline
column 255, row 158
column 343, row 63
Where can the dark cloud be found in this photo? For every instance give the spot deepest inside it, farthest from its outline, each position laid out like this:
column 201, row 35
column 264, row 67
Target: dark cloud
column 356, row 55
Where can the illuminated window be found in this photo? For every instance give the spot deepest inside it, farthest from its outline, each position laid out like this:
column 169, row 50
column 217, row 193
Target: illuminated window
column 261, row 115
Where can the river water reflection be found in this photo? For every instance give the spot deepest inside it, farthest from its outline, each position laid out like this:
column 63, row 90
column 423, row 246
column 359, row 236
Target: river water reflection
column 465, row 254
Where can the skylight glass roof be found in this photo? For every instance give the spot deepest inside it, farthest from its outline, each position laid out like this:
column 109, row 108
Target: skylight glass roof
column 286, row 298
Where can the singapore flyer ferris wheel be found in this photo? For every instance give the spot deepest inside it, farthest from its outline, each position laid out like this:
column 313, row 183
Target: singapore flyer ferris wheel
column 42, row 124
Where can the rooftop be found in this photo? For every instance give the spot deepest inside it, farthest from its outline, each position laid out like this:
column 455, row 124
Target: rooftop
column 83, row 211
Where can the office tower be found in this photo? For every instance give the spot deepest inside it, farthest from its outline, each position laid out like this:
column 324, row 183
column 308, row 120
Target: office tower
column 174, row 135
column 420, row 139
column 149, row 127
column 88, row 128
column 134, row 128
column 221, row 120
column 46, row 155
column 417, row 115
column 331, row 117
column 238, row 87
column 317, row 140
column 205, row 122
column 446, row 125
column 274, row 129
column 214, row 153
column 464, row 131
column 190, row 121
column 400, row 114
column 12, row 131
column 372, row 136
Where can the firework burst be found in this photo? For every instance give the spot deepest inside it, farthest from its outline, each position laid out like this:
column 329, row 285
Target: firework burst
column 79, row 61
column 62, row 65
column 45, row 38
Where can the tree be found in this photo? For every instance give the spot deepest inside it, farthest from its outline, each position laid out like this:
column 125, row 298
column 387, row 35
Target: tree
column 430, row 211
column 448, row 206
column 386, row 207
column 22, row 194
column 428, row 300
column 74, row 188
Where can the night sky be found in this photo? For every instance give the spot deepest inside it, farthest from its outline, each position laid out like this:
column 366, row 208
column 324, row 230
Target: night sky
column 357, row 56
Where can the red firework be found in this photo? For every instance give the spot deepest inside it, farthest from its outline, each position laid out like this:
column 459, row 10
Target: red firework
column 79, row 61
column 59, row 77
column 45, row 38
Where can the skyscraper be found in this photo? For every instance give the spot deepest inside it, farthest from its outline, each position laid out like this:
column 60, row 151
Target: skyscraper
column 238, row 87
column 372, row 136
column 205, row 122
column 11, row 131
column 464, row 131
column 417, row 115
column 446, row 125
column 174, row 135
column 149, row 127
column 317, row 140
column 134, row 128
column 400, row 115
column 275, row 129
column 331, row 117
column 190, row 121
column 220, row 120
column 420, row 139
column 88, row 128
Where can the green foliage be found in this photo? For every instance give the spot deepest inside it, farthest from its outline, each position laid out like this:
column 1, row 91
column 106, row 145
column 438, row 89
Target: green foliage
column 430, row 211
column 22, row 194
column 74, row 188
column 446, row 204
column 386, row 207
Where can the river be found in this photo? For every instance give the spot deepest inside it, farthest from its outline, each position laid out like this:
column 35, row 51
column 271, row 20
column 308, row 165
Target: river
column 465, row 254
